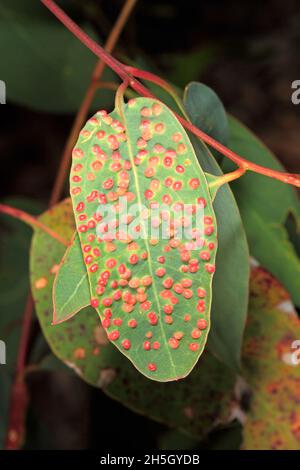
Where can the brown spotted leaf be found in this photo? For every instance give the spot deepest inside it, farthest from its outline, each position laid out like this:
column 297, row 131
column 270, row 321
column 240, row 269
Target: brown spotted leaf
column 271, row 367
column 194, row 405
column 150, row 277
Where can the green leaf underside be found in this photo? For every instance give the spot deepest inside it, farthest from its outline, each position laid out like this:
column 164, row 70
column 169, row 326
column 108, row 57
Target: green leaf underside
column 231, row 280
column 273, row 420
column 193, row 405
column 265, row 204
column 138, row 159
column 208, row 113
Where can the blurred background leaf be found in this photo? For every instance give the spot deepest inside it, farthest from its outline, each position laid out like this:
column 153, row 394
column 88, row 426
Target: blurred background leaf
column 44, row 66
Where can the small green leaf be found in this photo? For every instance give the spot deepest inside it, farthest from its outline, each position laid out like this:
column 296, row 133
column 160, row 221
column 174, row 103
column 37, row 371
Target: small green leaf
column 231, row 281
column 268, row 353
column 265, row 205
column 71, row 290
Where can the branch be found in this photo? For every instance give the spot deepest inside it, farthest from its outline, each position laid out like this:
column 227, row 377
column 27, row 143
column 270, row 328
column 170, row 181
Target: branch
column 120, row 69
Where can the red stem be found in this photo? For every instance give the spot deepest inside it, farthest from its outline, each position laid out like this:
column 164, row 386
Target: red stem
column 120, row 69
column 32, row 221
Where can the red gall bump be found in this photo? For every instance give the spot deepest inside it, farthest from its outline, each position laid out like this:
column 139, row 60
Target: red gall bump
column 145, row 305
column 194, row 347
column 77, row 167
column 80, row 207
column 177, row 185
column 106, row 323
column 168, row 182
column 187, row 317
column 173, row 343
column 148, row 194
column 118, row 321
column 147, row 280
column 132, row 323
column 168, row 320
column 152, row 367
column 152, row 318
column 147, row 345
column 196, row 333
column 205, row 255
column 76, row 191
column 102, row 198
column 96, row 166
column 108, row 184
column 117, row 295
column 107, row 312
column 94, row 268
column 82, row 228
column 211, row 246
column 107, row 302
column 180, row 169
column 168, row 283
column 168, row 309
column 114, row 335
column 76, row 179
column 201, row 292
column 146, row 112
column 160, row 272
column 126, row 344
column 166, row 199
column 210, row 268
column 155, row 345
column 209, row 230
column 178, row 335
column 100, row 290
column 133, row 259
column 100, row 135
column 88, row 259
column 149, row 172
column 122, row 268
column 96, row 252
column 187, row 294
column 94, row 303
column 178, row 288
column 194, row 183
column 186, row 283
column 201, row 202
column 202, row 324
column 77, row 153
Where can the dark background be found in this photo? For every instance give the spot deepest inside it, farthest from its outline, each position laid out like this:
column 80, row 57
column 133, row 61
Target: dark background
column 249, row 53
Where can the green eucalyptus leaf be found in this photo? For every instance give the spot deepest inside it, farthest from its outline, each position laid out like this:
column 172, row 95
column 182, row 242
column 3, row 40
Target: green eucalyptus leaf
column 43, row 65
column 265, row 206
column 231, row 281
column 152, row 288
